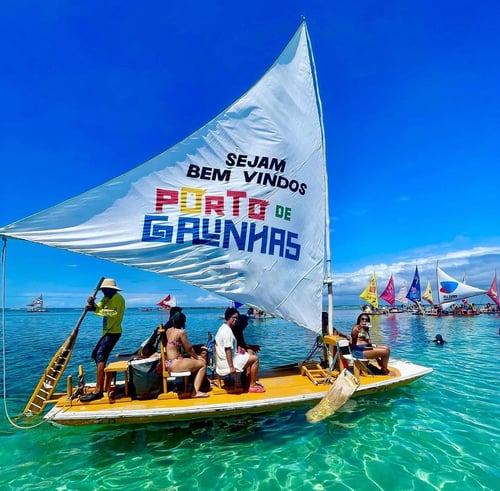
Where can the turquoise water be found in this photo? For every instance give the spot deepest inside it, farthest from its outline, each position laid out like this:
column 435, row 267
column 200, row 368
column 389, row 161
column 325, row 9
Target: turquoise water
column 438, row 433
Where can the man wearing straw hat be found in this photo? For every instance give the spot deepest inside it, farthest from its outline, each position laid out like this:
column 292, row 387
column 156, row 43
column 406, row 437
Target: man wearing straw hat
column 111, row 308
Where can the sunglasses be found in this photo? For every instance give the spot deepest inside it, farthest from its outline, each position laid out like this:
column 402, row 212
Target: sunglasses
column 364, row 319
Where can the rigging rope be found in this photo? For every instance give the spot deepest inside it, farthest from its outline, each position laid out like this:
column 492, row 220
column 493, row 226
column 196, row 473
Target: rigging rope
column 4, row 358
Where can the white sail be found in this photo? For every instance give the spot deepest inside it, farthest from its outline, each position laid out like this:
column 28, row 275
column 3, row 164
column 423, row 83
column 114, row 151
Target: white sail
column 237, row 208
column 401, row 296
column 451, row 290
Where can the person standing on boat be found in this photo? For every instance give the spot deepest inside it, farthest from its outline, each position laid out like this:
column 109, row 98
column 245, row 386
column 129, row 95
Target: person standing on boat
column 361, row 344
column 111, row 308
column 230, row 359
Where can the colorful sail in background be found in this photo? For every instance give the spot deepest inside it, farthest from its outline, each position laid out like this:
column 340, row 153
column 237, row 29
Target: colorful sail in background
column 389, row 294
column 427, row 296
column 451, row 290
column 370, row 293
column 493, row 291
column 414, row 293
column 168, row 302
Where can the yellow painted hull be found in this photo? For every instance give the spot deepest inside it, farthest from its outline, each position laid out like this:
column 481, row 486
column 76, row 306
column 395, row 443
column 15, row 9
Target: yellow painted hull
column 284, row 388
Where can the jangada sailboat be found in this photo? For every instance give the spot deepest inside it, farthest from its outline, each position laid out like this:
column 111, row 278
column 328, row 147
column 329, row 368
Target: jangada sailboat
column 167, row 303
column 415, row 293
column 370, row 294
column 240, row 209
column 37, row 305
column 401, row 296
column 389, row 295
column 493, row 294
column 427, row 296
column 451, row 291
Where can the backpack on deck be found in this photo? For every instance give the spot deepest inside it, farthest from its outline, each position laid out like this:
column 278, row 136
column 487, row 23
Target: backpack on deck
column 145, row 378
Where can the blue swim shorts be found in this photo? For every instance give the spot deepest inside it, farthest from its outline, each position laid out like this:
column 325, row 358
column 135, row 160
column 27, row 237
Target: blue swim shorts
column 103, row 348
column 359, row 351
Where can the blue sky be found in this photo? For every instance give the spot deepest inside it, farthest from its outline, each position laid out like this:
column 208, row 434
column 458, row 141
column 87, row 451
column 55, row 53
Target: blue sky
column 411, row 112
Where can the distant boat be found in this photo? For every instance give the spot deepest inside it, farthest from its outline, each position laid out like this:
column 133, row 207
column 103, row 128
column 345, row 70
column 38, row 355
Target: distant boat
column 493, row 294
column 257, row 314
column 389, row 294
column 370, row 294
column 415, row 293
column 451, row 290
column 493, row 291
column 427, row 296
column 167, row 303
column 37, row 305
column 401, row 296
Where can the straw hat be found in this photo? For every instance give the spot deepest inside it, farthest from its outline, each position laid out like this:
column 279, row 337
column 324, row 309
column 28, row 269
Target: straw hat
column 110, row 283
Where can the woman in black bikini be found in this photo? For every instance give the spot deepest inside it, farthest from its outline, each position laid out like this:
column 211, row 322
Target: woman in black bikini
column 177, row 339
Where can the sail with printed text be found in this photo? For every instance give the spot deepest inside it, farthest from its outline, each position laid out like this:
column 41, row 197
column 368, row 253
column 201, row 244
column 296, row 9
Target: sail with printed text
column 370, row 293
column 237, row 208
column 389, row 294
column 451, row 290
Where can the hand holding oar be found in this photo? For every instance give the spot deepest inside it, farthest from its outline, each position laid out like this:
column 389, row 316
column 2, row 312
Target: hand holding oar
column 340, row 392
column 85, row 310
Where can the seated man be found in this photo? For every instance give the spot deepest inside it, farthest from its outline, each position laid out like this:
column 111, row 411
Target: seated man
column 232, row 360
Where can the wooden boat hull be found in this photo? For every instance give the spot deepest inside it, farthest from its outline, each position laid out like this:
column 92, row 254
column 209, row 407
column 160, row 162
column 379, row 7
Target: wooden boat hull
column 284, row 388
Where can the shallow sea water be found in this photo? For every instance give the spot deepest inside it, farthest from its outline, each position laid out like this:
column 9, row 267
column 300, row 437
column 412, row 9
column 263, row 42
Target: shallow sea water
column 439, row 433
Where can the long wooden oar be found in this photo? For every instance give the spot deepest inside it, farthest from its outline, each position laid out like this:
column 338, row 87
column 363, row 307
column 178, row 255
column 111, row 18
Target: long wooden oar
column 52, row 374
column 340, row 392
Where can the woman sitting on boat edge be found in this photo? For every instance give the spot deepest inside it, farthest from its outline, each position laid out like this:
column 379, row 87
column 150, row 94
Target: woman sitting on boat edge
column 176, row 338
column 361, row 344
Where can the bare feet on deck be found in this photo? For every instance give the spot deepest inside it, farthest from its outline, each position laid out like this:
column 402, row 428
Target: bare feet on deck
column 200, row 394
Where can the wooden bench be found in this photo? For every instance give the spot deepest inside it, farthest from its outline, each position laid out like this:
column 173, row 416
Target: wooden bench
column 110, row 375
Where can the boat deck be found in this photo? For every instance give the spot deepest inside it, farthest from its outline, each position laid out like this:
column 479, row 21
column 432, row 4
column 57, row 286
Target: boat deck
column 284, row 388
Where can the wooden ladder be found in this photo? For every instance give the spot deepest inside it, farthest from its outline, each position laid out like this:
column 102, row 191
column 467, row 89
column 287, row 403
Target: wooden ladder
column 314, row 372
column 51, row 376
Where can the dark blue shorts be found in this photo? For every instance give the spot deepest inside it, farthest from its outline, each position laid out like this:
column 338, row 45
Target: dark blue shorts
column 104, row 346
column 358, row 351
